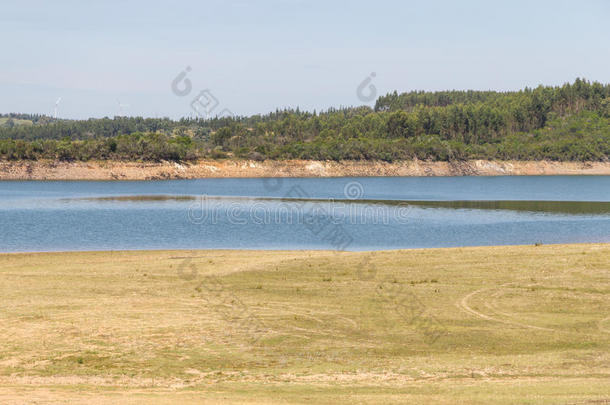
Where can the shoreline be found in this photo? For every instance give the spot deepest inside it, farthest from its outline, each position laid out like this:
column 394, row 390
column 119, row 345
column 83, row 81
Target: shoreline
column 118, row 170
column 298, row 251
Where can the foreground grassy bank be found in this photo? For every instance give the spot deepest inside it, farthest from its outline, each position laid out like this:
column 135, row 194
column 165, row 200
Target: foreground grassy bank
column 119, row 170
column 498, row 325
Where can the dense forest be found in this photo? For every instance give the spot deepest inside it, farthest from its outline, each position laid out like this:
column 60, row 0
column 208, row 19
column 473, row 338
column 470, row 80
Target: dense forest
column 569, row 122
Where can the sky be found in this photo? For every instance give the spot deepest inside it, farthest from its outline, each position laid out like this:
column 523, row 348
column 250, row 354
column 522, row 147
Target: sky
column 107, row 58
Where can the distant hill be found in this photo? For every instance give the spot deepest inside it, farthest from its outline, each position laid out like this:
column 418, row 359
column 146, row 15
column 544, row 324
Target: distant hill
column 11, row 122
column 16, row 119
column 569, row 122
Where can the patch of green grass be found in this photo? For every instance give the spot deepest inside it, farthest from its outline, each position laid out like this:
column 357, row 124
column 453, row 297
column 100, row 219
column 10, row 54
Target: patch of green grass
column 468, row 325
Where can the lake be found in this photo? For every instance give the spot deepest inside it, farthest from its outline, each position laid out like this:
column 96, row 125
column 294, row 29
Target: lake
column 304, row 213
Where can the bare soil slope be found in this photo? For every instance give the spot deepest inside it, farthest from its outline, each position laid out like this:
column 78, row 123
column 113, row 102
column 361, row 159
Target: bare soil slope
column 113, row 170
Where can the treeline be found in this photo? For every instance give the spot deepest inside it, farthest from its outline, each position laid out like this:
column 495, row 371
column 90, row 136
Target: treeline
column 135, row 146
column 569, row 122
column 32, row 118
column 582, row 137
column 50, row 128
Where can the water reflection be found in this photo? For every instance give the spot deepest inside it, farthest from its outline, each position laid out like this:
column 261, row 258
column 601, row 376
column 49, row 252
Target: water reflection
column 558, row 207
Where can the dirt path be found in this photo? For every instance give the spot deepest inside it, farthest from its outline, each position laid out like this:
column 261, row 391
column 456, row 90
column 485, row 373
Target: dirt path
column 465, row 305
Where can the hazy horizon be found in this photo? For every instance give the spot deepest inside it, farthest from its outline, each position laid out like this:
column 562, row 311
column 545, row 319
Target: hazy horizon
column 120, row 58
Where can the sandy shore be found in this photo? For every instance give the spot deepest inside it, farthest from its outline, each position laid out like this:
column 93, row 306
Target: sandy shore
column 115, row 170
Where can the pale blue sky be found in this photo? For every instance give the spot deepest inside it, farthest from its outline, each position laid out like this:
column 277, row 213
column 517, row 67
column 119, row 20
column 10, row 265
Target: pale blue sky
column 255, row 56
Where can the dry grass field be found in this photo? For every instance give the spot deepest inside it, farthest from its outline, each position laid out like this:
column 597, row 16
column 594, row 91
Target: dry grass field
column 491, row 325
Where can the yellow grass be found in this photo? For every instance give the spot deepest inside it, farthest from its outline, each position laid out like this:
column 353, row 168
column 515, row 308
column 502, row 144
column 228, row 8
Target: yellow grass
column 497, row 325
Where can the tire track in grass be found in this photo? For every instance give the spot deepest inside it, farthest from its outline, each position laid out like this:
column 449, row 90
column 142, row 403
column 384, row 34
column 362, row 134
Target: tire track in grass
column 464, row 305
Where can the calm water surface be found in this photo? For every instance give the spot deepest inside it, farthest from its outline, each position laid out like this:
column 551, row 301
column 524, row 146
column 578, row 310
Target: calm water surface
column 332, row 213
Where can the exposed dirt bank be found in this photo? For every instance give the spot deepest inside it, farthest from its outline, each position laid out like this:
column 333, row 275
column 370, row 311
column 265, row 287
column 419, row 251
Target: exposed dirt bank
column 104, row 170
